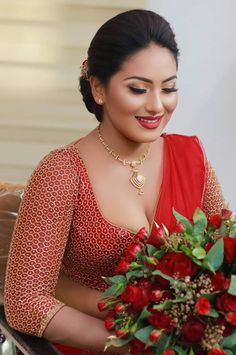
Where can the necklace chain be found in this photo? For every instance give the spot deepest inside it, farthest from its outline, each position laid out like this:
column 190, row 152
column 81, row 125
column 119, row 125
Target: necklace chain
column 137, row 180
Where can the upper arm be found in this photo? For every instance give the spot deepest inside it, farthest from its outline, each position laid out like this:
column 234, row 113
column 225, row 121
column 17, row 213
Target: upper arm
column 38, row 243
column 213, row 199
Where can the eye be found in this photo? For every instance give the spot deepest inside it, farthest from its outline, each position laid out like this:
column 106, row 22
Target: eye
column 137, row 90
column 169, row 90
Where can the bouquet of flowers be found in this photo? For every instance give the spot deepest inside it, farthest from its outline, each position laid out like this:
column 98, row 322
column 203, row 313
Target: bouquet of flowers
column 176, row 293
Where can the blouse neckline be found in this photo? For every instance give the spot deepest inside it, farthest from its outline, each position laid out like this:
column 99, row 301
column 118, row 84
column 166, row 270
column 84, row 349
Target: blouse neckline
column 158, row 199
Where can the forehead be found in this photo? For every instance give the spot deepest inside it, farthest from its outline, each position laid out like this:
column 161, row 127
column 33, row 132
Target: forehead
column 153, row 62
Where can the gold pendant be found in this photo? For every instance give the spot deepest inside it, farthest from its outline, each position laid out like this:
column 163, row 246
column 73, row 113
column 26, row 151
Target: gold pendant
column 138, row 181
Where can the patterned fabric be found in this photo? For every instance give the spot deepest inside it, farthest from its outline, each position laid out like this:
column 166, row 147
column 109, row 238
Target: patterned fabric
column 213, row 196
column 59, row 226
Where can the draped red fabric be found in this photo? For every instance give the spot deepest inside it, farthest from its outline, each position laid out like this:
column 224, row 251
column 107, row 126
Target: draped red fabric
column 183, row 178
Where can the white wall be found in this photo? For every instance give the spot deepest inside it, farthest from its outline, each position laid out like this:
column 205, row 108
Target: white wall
column 206, row 34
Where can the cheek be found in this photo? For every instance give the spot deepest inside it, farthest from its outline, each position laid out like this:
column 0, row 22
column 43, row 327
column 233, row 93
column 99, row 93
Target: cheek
column 170, row 102
column 123, row 102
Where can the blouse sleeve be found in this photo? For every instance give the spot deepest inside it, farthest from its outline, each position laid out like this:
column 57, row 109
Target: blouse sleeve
column 38, row 244
column 213, row 199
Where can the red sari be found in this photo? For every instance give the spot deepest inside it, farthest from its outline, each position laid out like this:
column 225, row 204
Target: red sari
column 184, row 175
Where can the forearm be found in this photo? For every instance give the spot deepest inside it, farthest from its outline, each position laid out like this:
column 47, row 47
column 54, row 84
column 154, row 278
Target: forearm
column 67, row 292
column 74, row 328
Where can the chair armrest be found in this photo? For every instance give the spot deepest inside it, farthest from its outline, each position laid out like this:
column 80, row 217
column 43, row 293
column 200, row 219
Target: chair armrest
column 27, row 344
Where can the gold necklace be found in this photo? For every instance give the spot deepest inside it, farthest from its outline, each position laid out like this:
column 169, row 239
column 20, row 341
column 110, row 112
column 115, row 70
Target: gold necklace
column 137, row 180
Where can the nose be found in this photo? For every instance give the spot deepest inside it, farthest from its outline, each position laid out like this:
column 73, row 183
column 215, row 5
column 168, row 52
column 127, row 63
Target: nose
column 154, row 104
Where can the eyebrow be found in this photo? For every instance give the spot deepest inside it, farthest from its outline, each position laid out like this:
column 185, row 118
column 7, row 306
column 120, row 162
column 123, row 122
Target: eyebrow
column 150, row 81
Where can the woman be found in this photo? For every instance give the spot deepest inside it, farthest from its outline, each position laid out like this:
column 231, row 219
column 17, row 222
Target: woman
column 84, row 201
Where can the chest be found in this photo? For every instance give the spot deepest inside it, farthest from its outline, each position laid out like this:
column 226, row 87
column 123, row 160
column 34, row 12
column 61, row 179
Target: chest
column 117, row 200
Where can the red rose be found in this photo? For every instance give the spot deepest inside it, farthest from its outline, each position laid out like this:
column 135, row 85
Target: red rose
column 157, row 237
column 119, row 308
column 133, row 249
column 109, row 323
column 229, row 249
column 141, row 235
column 193, row 330
column 154, row 335
column 145, row 283
column 226, row 214
column 215, row 220
column 138, row 297
column 177, row 263
column 218, row 281
column 226, row 303
column 161, row 320
column 156, row 295
column 168, row 352
column 136, row 346
column 203, row 306
column 122, row 267
column 217, row 351
column 102, row 306
column 120, row 333
column 231, row 317
column 180, row 228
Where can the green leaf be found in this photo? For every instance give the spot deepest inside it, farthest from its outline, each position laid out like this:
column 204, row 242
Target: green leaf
column 117, row 279
column 213, row 313
column 110, row 291
column 200, row 220
column 229, row 352
column 166, row 277
column 162, row 306
column 181, row 219
column 159, row 254
column 187, row 251
column 143, row 334
column 135, row 273
column 232, row 286
column 191, row 352
column 199, row 253
column 162, row 344
column 151, row 249
column 179, row 350
column 215, row 256
column 117, row 342
column 229, row 342
column 114, row 290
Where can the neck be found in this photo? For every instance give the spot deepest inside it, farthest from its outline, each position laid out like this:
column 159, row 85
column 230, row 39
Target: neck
column 123, row 146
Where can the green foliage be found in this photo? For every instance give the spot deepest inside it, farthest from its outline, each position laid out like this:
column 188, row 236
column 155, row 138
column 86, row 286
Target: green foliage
column 185, row 221
column 162, row 344
column 199, row 253
column 143, row 334
column 166, row 277
column 229, row 342
column 200, row 222
column 232, row 286
column 215, row 257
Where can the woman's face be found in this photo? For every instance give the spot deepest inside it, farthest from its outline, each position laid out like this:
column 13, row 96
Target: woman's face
column 141, row 97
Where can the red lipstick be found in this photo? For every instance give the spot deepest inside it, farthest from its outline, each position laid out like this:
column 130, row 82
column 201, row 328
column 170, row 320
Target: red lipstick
column 149, row 122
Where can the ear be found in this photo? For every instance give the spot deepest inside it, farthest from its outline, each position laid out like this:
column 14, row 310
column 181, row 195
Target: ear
column 97, row 89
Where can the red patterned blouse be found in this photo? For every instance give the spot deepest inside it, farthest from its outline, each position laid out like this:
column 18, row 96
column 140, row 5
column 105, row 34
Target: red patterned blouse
column 61, row 226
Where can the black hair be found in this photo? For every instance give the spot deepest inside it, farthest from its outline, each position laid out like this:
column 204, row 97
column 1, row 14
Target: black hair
column 117, row 39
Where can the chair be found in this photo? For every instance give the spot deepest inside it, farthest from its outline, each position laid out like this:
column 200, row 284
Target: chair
column 13, row 342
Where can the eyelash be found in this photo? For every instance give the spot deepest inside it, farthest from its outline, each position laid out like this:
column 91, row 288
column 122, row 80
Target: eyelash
column 143, row 91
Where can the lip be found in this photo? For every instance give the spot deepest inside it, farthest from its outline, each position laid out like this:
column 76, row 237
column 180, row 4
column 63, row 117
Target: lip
column 149, row 122
column 149, row 117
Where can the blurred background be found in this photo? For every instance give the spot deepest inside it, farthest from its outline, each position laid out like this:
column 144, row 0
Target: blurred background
column 43, row 43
